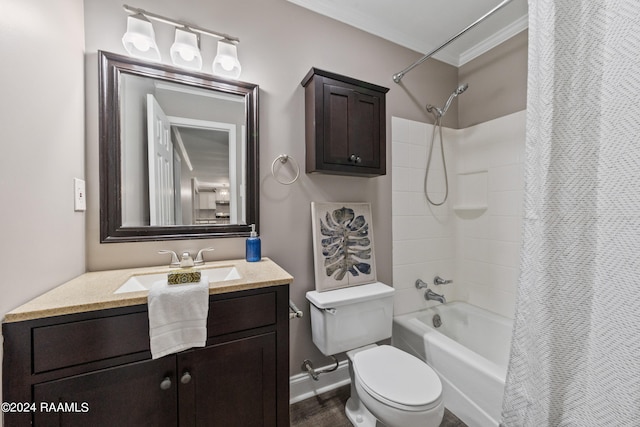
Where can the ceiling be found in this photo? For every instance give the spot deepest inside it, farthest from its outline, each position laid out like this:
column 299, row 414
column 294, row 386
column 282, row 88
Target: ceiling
column 423, row 25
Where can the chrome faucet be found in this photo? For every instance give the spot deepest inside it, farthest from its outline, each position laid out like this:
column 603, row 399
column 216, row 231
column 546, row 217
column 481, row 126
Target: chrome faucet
column 186, row 260
column 432, row 296
column 421, row 284
column 199, row 258
column 175, row 262
column 440, row 281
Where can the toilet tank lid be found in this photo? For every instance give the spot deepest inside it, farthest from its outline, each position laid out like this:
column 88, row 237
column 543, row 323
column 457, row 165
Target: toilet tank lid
column 350, row 295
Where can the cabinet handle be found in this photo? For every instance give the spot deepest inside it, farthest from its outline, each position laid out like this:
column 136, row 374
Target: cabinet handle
column 358, row 159
column 186, row 377
column 165, row 384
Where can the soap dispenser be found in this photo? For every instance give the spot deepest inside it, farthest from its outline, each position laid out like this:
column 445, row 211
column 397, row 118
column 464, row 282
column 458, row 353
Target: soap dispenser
column 253, row 252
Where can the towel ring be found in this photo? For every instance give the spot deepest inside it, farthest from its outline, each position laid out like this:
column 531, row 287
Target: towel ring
column 284, row 158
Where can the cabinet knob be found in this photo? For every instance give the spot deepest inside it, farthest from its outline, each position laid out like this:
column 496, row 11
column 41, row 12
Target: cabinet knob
column 186, row 377
column 355, row 159
column 165, row 384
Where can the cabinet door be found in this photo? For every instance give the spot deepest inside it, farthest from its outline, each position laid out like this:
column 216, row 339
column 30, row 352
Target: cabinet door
column 364, row 126
column 129, row 395
column 351, row 128
column 229, row 384
column 337, row 103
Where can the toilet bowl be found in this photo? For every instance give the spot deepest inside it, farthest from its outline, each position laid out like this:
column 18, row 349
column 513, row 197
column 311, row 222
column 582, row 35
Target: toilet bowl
column 393, row 388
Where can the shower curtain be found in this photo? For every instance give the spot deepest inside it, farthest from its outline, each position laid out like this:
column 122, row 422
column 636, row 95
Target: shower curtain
column 575, row 357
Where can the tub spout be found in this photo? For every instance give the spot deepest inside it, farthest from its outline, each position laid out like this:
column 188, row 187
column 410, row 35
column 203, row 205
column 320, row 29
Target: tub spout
column 432, row 296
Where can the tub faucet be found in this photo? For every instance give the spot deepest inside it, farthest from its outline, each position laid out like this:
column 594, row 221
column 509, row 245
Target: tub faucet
column 432, row 296
column 420, row 284
column 440, row 281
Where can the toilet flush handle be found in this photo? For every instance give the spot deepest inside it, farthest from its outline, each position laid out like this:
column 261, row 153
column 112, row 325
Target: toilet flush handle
column 331, row 311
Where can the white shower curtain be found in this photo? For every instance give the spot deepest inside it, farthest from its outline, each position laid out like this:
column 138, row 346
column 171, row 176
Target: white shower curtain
column 575, row 358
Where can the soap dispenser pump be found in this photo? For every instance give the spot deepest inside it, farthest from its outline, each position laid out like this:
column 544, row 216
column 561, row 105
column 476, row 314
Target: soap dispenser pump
column 253, row 252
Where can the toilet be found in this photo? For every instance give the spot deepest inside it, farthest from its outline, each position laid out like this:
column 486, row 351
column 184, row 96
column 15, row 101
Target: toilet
column 389, row 387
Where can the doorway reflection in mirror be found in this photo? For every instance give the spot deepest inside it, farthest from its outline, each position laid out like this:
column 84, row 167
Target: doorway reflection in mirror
column 183, row 154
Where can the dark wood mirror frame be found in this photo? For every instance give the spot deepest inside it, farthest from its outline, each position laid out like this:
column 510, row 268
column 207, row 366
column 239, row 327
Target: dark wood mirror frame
column 111, row 229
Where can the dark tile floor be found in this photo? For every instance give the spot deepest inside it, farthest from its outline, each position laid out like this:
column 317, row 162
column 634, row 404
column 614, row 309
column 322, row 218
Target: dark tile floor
column 327, row 410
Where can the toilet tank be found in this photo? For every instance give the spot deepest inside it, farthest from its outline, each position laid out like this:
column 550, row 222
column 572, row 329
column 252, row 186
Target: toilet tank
column 348, row 318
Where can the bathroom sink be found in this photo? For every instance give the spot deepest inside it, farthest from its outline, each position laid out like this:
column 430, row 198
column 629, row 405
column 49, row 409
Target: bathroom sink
column 143, row 282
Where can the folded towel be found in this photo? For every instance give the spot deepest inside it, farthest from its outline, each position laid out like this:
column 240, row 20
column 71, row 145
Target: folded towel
column 177, row 316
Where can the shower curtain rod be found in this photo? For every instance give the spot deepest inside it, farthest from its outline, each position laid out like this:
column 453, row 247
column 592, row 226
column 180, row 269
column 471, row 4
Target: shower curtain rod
column 398, row 76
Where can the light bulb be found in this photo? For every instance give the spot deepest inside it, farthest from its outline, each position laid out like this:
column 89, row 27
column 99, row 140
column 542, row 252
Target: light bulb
column 139, row 40
column 187, row 55
column 184, row 51
column 141, row 44
column 227, row 63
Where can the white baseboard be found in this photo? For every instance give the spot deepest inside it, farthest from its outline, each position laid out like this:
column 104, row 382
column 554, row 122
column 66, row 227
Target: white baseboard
column 302, row 386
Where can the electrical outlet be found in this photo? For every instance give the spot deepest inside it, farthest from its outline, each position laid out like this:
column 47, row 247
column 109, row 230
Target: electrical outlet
column 80, row 199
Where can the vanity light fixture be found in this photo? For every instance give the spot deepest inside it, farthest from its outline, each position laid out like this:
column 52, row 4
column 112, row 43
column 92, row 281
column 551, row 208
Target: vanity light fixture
column 226, row 62
column 140, row 39
column 185, row 51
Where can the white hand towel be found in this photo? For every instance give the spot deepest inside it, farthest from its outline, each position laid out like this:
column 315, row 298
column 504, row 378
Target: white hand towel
column 177, row 316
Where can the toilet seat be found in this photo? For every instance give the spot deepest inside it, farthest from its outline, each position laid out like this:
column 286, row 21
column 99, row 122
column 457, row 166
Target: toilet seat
column 397, row 379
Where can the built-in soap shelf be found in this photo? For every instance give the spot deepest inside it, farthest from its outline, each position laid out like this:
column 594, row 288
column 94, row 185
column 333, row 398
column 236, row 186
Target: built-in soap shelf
column 472, row 191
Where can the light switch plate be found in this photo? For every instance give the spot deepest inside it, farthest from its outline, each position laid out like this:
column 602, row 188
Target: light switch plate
column 80, row 198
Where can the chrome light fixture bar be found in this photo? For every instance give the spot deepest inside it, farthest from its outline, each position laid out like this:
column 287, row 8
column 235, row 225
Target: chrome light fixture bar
column 185, row 51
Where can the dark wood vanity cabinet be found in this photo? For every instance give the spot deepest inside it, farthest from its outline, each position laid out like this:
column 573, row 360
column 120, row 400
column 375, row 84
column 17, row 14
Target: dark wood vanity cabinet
column 95, row 368
column 345, row 125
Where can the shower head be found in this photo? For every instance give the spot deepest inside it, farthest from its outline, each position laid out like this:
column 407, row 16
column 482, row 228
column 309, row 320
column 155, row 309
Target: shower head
column 441, row 111
column 461, row 88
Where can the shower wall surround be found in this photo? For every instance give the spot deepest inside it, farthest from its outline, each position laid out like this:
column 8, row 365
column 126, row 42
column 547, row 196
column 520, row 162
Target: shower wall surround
column 423, row 235
column 478, row 247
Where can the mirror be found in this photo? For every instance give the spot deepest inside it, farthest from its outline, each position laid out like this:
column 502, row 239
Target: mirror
column 178, row 153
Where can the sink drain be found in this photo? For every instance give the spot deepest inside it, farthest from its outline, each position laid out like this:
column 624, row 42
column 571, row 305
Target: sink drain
column 437, row 321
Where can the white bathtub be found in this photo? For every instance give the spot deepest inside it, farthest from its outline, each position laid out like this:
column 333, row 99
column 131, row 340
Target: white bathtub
column 470, row 353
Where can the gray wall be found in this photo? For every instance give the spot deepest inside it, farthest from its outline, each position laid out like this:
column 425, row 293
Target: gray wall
column 42, row 122
column 280, row 42
column 497, row 83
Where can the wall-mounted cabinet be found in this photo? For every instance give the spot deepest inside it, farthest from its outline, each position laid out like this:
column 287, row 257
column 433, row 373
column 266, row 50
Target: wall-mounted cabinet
column 345, row 125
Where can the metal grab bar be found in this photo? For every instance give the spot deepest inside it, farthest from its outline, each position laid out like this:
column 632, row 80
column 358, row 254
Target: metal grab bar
column 398, row 76
column 294, row 311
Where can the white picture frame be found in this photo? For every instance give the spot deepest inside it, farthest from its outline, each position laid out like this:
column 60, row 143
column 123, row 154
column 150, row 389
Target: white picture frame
column 343, row 250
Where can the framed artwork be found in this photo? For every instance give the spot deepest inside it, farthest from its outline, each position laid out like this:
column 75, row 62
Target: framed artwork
column 342, row 245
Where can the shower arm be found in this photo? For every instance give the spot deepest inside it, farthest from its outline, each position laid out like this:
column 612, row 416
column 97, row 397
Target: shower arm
column 398, row 76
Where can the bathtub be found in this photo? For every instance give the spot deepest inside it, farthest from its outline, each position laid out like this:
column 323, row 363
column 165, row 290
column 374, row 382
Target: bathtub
column 470, row 353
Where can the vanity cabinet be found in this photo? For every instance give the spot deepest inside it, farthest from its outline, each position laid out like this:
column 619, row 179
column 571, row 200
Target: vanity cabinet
column 345, row 125
column 95, row 368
